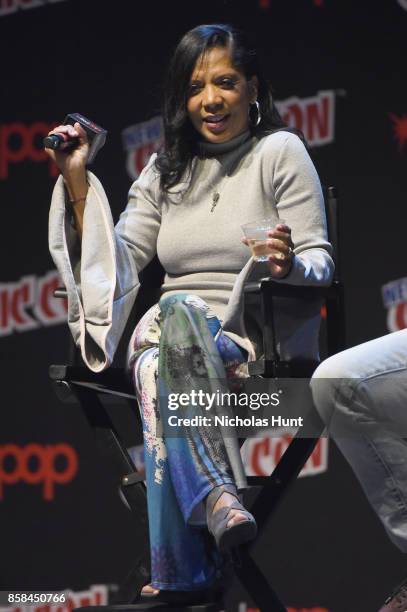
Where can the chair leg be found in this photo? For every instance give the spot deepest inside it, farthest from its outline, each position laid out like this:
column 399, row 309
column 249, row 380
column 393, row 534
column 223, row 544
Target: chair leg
column 283, row 476
column 255, row 583
column 108, row 441
column 275, row 487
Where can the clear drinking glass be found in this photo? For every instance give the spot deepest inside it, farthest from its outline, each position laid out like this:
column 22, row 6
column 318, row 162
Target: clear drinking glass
column 256, row 233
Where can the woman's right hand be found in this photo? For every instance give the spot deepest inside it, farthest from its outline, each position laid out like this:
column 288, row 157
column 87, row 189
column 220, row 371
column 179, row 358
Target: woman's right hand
column 72, row 163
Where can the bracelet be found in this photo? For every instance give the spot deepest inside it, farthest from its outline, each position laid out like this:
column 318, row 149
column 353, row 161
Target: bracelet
column 77, row 200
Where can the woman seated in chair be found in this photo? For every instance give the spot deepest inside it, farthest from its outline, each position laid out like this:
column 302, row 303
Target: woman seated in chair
column 226, row 160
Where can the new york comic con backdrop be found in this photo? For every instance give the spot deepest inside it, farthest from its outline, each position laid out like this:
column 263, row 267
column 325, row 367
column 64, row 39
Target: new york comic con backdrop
column 338, row 70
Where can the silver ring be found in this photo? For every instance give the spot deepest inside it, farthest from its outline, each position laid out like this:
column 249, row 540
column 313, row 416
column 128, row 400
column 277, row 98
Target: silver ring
column 290, row 251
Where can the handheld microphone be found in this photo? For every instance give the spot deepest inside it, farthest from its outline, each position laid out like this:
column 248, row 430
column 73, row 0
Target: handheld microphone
column 96, row 136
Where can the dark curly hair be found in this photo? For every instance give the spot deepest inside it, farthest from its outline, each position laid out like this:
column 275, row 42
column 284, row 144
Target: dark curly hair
column 179, row 135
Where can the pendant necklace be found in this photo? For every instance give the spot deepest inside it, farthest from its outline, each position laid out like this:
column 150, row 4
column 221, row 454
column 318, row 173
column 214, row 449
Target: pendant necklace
column 215, row 200
column 217, row 191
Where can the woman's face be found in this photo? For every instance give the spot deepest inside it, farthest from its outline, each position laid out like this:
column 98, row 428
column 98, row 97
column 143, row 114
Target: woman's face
column 219, row 97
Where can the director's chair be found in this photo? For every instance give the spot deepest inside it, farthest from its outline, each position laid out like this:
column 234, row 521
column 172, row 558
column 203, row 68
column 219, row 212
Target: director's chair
column 90, row 389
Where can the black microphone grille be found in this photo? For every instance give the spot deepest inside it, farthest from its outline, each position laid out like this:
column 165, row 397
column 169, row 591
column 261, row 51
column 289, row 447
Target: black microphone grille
column 53, row 142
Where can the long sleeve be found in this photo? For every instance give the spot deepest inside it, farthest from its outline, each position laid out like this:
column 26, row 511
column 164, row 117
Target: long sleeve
column 103, row 283
column 300, row 203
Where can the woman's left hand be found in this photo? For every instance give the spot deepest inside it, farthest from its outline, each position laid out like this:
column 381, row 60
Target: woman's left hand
column 280, row 260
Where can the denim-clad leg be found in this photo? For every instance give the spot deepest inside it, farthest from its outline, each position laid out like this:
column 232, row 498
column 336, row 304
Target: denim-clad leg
column 182, row 469
column 361, row 394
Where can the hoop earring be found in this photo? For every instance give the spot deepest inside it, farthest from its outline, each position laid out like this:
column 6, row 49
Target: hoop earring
column 256, row 105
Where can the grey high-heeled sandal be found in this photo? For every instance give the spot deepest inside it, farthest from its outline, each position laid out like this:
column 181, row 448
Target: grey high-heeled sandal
column 239, row 533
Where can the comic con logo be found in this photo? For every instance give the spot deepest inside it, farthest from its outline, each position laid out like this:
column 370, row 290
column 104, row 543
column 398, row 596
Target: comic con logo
column 140, row 141
column 20, row 142
column 37, row 465
column 30, row 303
column 261, row 455
column 395, row 300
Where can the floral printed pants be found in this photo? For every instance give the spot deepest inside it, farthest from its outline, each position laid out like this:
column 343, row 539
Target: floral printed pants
column 180, row 347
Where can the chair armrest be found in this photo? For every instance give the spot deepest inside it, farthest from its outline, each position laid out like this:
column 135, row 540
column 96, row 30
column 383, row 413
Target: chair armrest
column 271, row 365
column 307, row 292
column 114, row 381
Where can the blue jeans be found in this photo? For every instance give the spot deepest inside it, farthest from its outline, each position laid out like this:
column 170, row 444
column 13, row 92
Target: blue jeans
column 361, row 395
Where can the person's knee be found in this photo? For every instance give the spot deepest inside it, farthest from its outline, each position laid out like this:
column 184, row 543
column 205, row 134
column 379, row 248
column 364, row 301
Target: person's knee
column 325, row 384
column 181, row 301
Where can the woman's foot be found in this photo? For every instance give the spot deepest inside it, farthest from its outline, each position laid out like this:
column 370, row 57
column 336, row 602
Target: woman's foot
column 149, row 591
column 225, row 501
column 228, row 521
column 151, row 594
